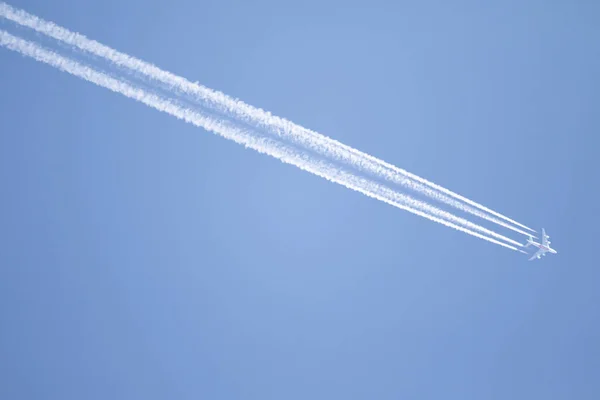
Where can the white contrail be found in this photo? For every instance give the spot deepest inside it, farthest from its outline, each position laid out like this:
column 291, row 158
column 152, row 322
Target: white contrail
column 227, row 130
column 234, row 107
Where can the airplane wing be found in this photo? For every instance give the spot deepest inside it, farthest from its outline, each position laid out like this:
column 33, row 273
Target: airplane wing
column 544, row 238
column 538, row 254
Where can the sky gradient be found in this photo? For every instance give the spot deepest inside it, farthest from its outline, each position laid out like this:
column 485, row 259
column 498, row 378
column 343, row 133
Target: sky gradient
column 144, row 258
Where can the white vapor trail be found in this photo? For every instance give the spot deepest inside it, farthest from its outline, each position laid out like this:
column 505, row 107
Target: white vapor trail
column 227, row 130
column 263, row 119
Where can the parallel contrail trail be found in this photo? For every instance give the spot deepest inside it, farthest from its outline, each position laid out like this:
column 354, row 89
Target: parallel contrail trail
column 229, row 131
column 264, row 119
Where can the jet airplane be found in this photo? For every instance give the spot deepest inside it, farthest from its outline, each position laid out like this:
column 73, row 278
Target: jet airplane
column 543, row 247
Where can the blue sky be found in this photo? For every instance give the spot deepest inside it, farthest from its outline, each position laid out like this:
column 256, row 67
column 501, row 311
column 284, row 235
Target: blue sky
column 145, row 258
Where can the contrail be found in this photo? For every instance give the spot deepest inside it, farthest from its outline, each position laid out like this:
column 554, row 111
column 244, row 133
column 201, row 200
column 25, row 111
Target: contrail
column 264, row 119
column 228, row 131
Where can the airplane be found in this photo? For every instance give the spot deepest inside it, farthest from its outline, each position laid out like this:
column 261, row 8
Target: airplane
column 544, row 247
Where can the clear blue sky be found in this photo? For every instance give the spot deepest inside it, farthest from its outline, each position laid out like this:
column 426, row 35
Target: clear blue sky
column 143, row 258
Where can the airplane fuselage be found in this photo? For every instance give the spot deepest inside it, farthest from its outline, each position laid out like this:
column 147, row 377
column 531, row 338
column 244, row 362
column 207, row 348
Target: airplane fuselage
column 545, row 248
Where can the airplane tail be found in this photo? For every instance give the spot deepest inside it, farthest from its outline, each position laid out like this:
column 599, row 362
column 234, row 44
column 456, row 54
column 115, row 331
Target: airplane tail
column 529, row 241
